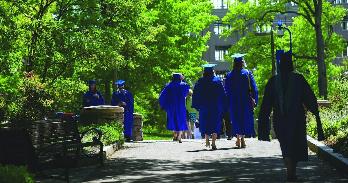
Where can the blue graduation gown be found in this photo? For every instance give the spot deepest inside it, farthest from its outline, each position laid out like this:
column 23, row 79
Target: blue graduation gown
column 238, row 84
column 172, row 100
column 289, row 121
column 126, row 97
column 209, row 99
column 92, row 99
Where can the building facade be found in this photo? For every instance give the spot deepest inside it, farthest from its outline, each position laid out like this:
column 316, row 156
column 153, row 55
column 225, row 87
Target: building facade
column 218, row 47
column 342, row 29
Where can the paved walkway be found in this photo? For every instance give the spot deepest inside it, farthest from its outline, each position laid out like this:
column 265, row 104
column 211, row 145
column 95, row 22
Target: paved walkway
column 164, row 161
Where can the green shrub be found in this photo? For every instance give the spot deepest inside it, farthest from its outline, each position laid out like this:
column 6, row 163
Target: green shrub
column 35, row 102
column 67, row 94
column 112, row 132
column 334, row 118
column 15, row 174
column 10, row 94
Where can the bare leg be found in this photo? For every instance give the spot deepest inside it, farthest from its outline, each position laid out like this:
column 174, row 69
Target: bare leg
column 243, row 145
column 179, row 136
column 238, row 141
column 189, row 132
column 207, row 143
column 213, row 146
column 290, row 169
column 175, row 137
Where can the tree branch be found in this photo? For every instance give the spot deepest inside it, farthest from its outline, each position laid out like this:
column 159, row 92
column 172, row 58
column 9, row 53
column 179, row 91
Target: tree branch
column 315, row 2
column 309, row 7
column 306, row 16
column 304, row 57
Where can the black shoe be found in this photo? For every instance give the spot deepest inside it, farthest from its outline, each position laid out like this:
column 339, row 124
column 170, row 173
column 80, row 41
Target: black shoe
column 128, row 139
column 213, row 147
column 229, row 138
column 180, row 141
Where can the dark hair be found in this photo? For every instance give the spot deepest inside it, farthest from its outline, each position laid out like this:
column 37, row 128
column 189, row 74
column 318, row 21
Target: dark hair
column 208, row 74
column 286, row 64
column 237, row 65
column 176, row 79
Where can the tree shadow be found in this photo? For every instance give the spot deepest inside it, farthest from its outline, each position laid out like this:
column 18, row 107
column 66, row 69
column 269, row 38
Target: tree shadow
column 251, row 169
column 219, row 149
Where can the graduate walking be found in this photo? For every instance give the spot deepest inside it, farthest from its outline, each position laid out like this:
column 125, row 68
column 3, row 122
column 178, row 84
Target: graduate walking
column 209, row 99
column 172, row 100
column 288, row 95
column 242, row 96
column 92, row 97
column 125, row 99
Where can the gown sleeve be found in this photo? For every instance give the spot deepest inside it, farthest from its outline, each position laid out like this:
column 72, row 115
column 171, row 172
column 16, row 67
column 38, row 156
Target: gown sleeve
column 84, row 100
column 131, row 102
column 196, row 96
column 310, row 101
column 228, row 84
column 101, row 99
column 114, row 99
column 186, row 89
column 264, row 124
column 254, row 88
column 163, row 98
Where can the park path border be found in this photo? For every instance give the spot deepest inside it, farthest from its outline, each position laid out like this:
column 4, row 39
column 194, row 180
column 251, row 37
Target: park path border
column 111, row 149
column 326, row 153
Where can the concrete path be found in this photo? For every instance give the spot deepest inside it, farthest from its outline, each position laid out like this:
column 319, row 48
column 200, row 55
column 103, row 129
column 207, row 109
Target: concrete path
column 165, row 161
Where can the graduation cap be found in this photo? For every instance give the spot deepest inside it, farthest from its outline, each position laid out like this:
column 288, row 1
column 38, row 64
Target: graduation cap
column 238, row 57
column 92, row 82
column 120, row 82
column 177, row 76
column 208, row 67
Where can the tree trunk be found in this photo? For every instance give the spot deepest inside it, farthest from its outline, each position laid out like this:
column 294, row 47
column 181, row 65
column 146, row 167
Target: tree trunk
column 322, row 77
column 107, row 91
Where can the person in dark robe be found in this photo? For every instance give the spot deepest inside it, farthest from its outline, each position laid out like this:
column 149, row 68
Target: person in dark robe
column 226, row 118
column 242, row 96
column 288, row 95
column 124, row 98
column 209, row 99
column 92, row 97
column 172, row 100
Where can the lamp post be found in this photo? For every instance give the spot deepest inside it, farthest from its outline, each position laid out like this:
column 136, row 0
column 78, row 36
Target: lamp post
column 280, row 27
column 272, row 44
column 281, row 32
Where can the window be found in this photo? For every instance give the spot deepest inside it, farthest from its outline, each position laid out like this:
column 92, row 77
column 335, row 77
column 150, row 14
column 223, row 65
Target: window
column 263, row 28
column 344, row 25
column 254, row 2
column 345, row 51
column 219, row 28
column 220, row 52
column 220, row 4
column 340, row 1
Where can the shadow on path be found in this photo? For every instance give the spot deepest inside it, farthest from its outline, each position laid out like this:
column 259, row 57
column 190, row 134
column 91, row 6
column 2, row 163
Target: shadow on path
column 258, row 169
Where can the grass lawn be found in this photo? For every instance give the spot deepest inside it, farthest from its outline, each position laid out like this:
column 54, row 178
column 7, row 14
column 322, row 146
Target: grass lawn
column 157, row 136
column 151, row 133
